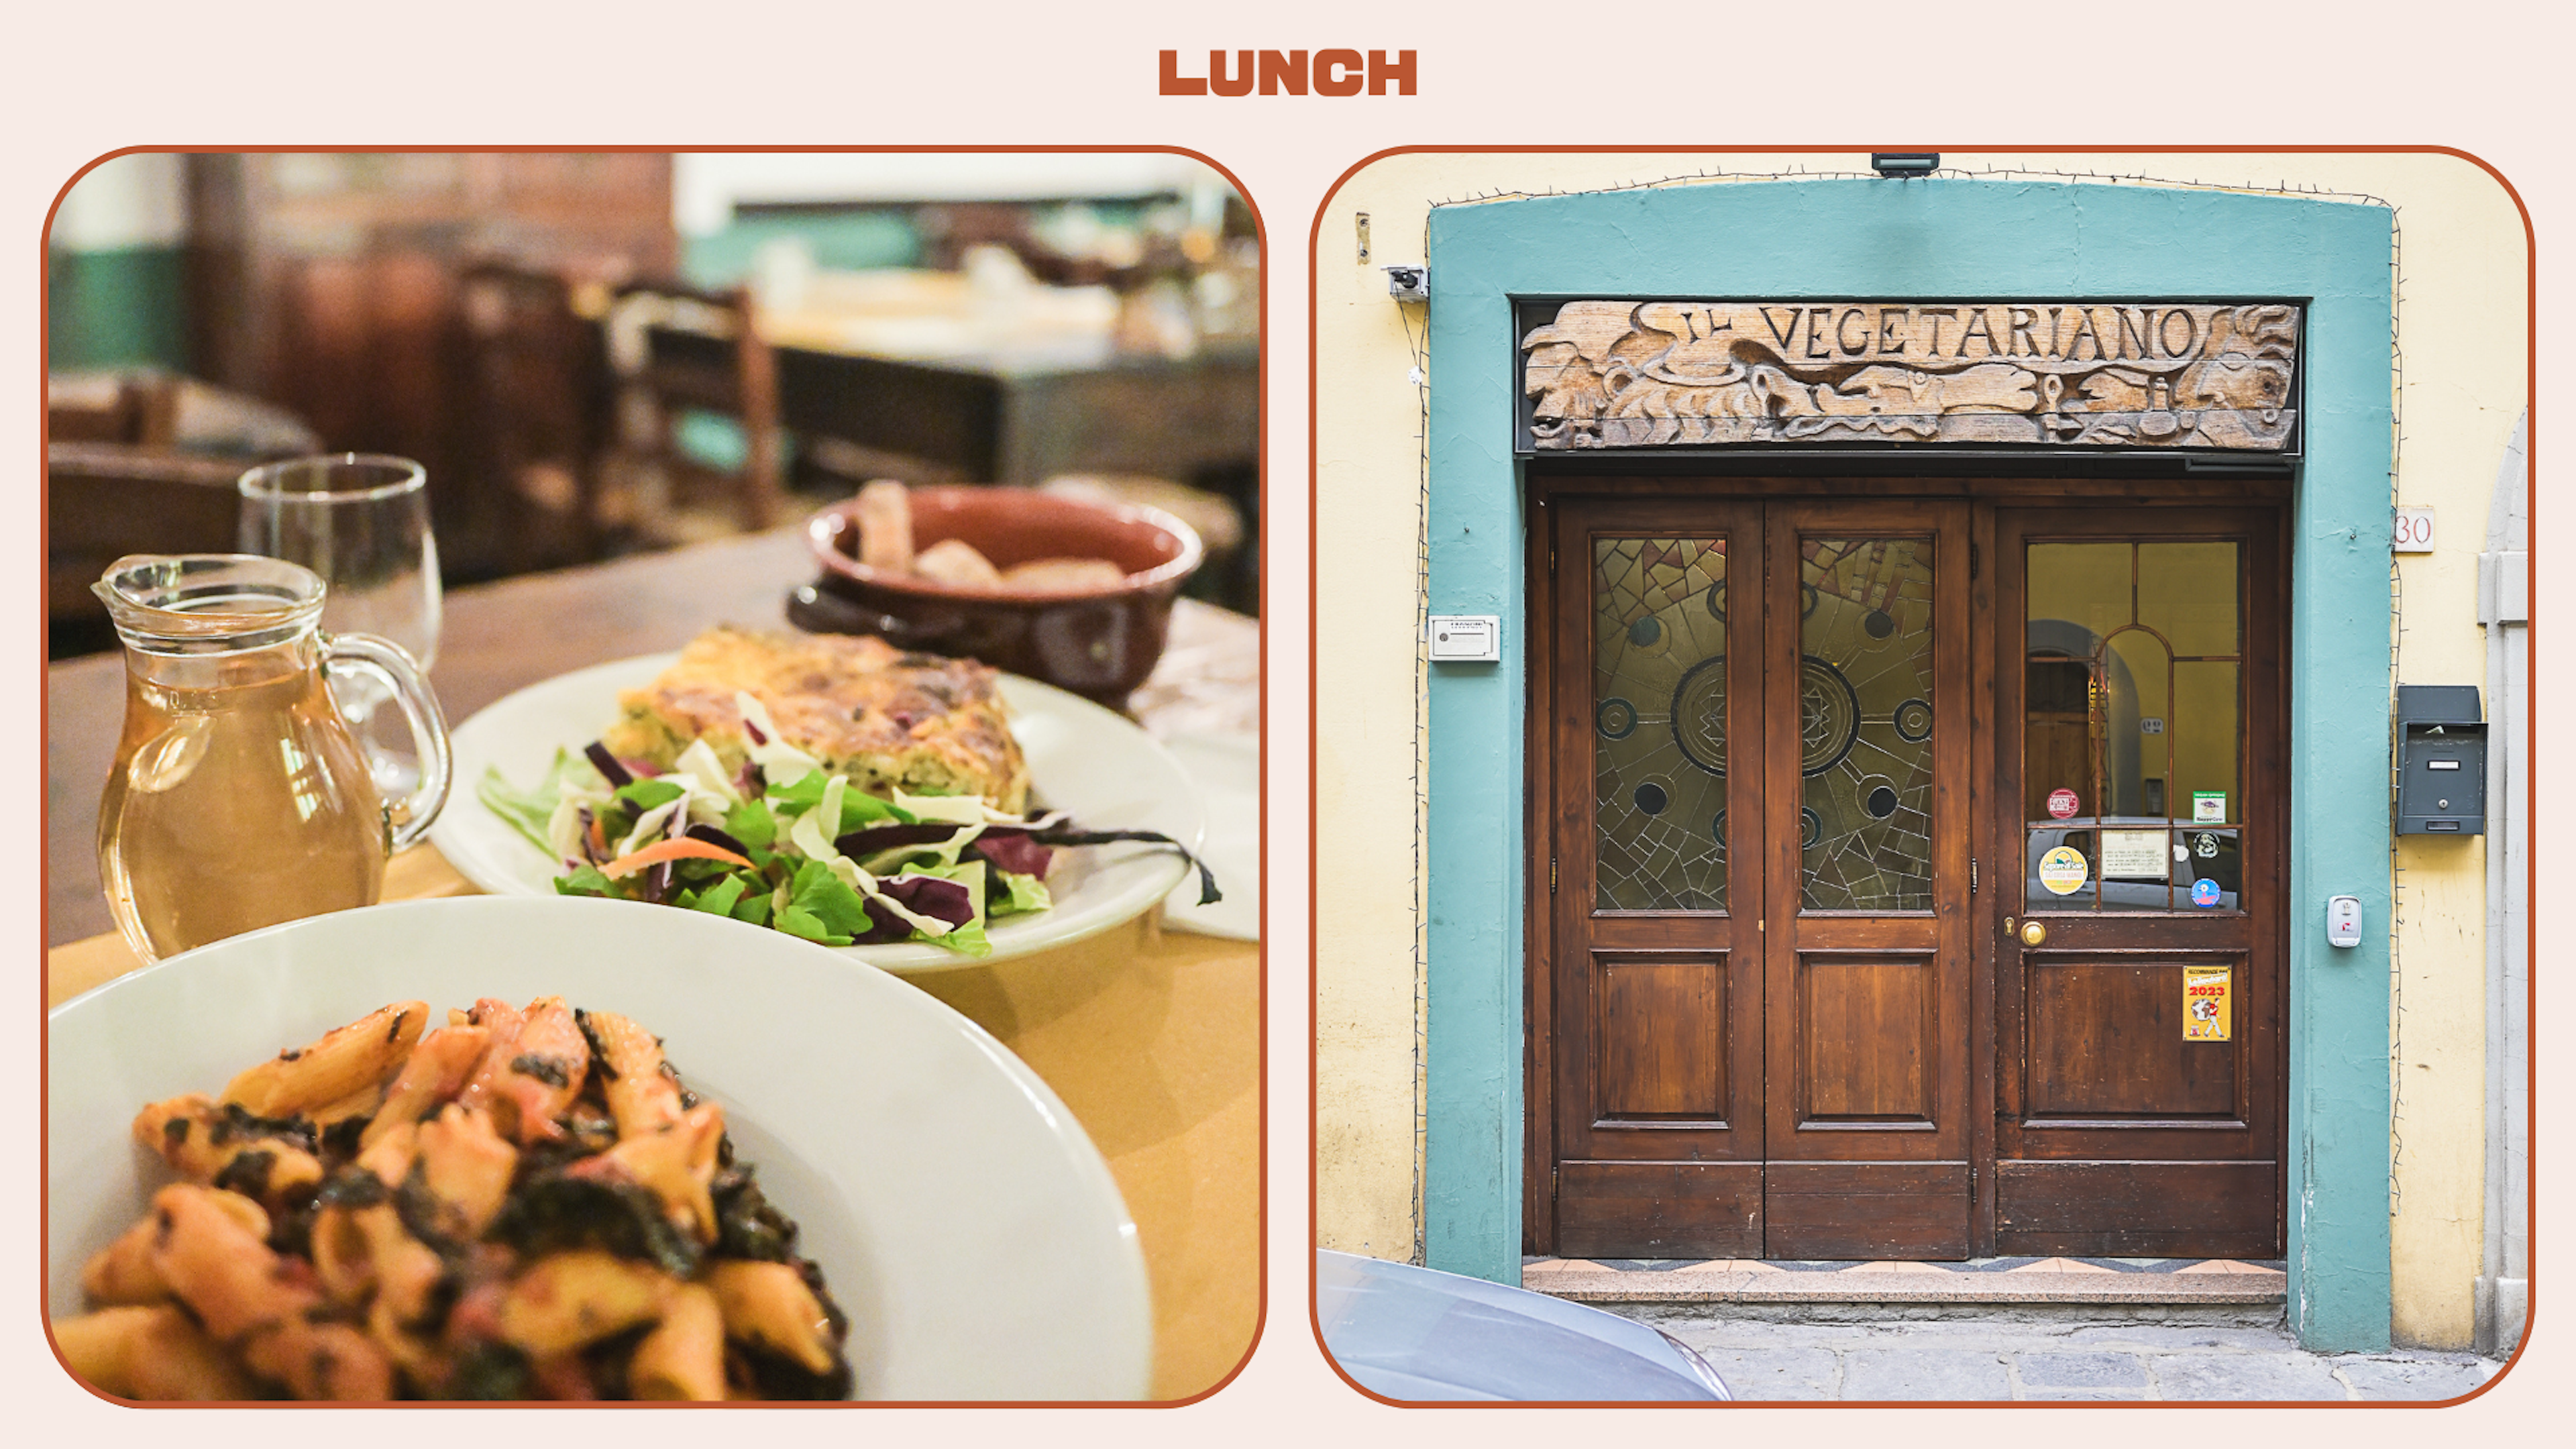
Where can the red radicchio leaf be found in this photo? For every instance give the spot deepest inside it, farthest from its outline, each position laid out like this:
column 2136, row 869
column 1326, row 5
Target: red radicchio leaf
column 930, row 895
column 886, row 837
column 884, row 925
column 1014, row 851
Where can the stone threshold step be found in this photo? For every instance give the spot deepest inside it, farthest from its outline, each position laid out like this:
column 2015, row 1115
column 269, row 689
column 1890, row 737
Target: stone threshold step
column 2044, row 1281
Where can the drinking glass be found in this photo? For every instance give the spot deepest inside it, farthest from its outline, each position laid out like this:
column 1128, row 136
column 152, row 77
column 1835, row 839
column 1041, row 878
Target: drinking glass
column 361, row 521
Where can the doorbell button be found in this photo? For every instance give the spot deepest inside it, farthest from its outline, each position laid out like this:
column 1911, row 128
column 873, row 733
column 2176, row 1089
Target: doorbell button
column 2343, row 921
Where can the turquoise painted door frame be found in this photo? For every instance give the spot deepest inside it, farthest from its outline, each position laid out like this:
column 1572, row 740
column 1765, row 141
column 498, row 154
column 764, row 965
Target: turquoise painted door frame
column 1931, row 238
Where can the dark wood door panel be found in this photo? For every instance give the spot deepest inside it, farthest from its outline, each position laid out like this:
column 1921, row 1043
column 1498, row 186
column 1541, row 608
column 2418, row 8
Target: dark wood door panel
column 1830, row 931
column 1660, row 1026
column 2139, row 1209
column 1660, row 931
column 2105, row 1040
column 1865, row 1210
column 1868, row 1039
column 1659, row 1210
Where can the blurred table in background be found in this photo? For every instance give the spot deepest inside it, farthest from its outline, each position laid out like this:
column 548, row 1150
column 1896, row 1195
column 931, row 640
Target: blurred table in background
column 1012, row 383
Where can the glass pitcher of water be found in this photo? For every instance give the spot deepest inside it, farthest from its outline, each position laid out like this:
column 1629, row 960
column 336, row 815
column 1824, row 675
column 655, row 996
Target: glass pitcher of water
column 239, row 797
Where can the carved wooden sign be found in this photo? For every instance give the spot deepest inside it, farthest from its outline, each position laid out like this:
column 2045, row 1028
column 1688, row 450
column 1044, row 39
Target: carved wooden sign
column 2195, row 375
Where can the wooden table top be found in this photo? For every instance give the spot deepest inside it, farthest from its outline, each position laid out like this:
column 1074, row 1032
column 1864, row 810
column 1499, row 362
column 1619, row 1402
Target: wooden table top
column 1151, row 1037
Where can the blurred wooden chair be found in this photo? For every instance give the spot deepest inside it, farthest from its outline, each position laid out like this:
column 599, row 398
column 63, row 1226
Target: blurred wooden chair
column 106, row 500
column 134, row 408
column 677, row 350
column 539, row 401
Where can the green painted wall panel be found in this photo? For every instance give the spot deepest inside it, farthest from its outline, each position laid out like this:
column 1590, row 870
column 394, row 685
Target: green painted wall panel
column 121, row 308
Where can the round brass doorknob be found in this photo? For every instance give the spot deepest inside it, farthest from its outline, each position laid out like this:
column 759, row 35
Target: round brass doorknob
column 2032, row 933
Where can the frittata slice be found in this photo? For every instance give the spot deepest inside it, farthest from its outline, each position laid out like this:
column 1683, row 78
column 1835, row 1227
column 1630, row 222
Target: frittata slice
column 865, row 709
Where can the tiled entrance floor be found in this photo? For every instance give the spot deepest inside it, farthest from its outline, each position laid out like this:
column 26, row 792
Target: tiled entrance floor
column 1983, row 1280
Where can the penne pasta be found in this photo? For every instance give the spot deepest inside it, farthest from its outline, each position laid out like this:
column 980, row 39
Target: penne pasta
column 362, row 1055
column 123, row 1271
column 148, row 1353
column 639, row 1088
column 567, row 1300
column 466, row 1166
column 521, row 1203
column 224, row 1145
column 683, row 1357
column 430, row 1078
column 247, row 1299
column 676, row 1164
column 769, row 1305
column 531, row 1070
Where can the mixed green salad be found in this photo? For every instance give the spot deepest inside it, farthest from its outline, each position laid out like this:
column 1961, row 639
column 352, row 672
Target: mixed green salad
column 783, row 843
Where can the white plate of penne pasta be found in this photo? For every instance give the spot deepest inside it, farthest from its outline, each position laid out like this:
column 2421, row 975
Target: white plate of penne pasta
column 430, row 1150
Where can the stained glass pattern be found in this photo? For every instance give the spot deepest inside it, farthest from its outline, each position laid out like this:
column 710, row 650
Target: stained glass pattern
column 1659, row 723
column 1865, row 723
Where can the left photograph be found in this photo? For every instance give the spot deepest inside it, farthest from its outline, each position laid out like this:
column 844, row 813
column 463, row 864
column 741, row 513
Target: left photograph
column 653, row 776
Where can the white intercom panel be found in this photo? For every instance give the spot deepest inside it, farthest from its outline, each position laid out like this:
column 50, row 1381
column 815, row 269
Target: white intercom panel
column 1466, row 639
column 2343, row 921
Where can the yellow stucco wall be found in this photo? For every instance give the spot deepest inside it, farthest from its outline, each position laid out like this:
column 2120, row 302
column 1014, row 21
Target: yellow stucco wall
column 1368, row 438
column 2463, row 320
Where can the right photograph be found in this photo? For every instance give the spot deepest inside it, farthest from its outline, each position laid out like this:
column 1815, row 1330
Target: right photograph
column 2081, row 600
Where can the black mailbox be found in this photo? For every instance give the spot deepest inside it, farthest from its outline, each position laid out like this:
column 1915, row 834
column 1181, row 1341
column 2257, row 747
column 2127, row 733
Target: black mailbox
column 2441, row 760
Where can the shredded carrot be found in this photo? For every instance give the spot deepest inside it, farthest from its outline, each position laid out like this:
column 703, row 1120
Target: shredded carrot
column 598, row 837
column 682, row 848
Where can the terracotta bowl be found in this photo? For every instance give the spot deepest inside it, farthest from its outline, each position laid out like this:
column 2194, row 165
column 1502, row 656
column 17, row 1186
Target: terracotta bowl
column 1100, row 642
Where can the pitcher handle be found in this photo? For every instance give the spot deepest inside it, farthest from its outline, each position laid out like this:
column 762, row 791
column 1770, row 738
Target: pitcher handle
column 411, row 816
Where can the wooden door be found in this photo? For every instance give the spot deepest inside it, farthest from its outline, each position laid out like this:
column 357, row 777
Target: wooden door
column 1653, row 831
column 2138, row 825
column 1866, row 983
column 1752, row 715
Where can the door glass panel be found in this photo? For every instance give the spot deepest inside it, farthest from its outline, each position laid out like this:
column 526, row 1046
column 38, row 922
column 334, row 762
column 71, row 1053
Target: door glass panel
column 2187, row 592
column 2132, row 705
column 2082, row 588
column 1865, row 723
column 2208, row 724
column 2137, row 679
column 1659, row 723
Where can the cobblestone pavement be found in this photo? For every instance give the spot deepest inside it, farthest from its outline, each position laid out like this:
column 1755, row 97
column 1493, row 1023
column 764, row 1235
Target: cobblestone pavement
column 2004, row 1359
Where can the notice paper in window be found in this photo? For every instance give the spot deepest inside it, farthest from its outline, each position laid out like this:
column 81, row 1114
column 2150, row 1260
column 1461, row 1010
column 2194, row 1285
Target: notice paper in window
column 2136, row 855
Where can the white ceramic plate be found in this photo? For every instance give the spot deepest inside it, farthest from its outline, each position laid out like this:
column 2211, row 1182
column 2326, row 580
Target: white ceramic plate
column 1082, row 758
column 1227, row 770
column 960, row 1216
